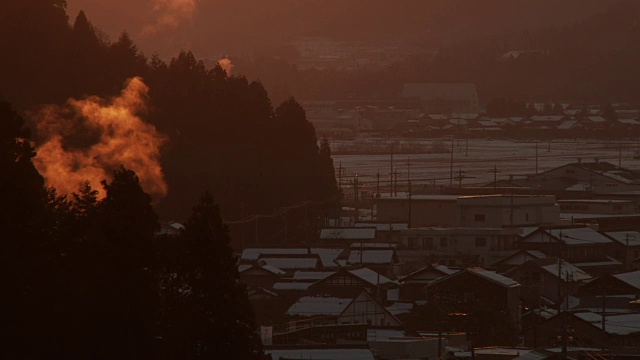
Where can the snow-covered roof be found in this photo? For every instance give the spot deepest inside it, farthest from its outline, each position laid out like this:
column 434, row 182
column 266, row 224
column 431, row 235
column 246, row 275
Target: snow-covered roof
column 319, row 305
column 398, row 308
column 494, row 277
column 348, row 233
column 629, row 121
column 580, row 236
column 618, row 324
column 324, row 354
column 370, row 257
column 632, row 278
column 631, row 238
column 311, row 275
column 383, row 226
column 269, row 268
column 327, row 256
column 547, row 117
column 567, row 124
column 370, row 276
column 287, row 263
column 300, row 286
column 253, row 254
column 568, row 271
column 596, row 119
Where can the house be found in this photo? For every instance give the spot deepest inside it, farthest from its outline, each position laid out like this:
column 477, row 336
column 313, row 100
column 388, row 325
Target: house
column 621, row 334
column 319, row 352
column 517, row 258
column 456, row 247
column 601, row 177
column 575, row 245
column 327, row 255
column 385, row 231
column 343, row 237
column 360, row 278
column 479, row 290
column 414, row 284
column 488, row 211
column 626, row 247
column 613, row 285
column 260, row 275
column 382, row 260
column 546, row 281
column 351, row 307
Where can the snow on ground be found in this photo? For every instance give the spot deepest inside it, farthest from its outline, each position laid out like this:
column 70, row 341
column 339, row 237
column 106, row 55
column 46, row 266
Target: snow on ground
column 510, row 157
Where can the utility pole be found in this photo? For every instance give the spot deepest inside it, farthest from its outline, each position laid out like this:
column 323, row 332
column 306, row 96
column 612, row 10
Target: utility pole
column 409, row 198
column 620, row 156
column 451, row 163
column 378, row 184
column 460, row 177
column 391, row 173
column 536, row 158
column 340, row 176
column 560, row 299
column 495, row 176
column 356, row 197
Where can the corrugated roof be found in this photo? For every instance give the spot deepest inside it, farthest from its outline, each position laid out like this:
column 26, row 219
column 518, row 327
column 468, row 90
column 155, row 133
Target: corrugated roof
column 631, row 238
column 579, row 236
column 370, row 276
column 492, row 276
column 348, row 233
column 321, row 305
column 324, row 354
column 632, row 278
column 291, row 263
column 370, row 257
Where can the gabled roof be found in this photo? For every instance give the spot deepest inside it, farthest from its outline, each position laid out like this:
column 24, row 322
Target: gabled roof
column 630, row 238
column 272, row 269
column 568, row 271
column 520, row 257
column 371, row 277
column 570, row 236
column 291, row 263
column 631, row 278
column 444, row 270
column 372, row 257
column 319, row 305
column 615, row 324
column 483, row 274
column 311, row 275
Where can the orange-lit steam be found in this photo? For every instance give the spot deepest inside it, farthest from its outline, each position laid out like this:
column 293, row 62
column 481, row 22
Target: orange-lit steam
column 87, row 139
column 226, row 65
column 169, row 15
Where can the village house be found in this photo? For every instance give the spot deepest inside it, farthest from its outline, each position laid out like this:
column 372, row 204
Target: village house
column 345, row 307
column 488, row 211
column 375, row 283
column 455, row 247
column 547, row 281
column 581, row 245
column 476, row 287
column 414, row 285
column 626, row 247
column 621, row 334
column 619, row 290
column 517, row 258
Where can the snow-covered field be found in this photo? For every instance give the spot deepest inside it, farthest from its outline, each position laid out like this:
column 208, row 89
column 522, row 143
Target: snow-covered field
column 477, row 160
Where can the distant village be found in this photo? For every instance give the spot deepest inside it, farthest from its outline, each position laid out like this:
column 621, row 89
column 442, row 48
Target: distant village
column 453, row 109
column 535, row 268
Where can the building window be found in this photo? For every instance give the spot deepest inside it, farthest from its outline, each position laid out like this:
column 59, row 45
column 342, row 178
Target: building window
column 479, row 217
column 481, row 242
column 443, row 242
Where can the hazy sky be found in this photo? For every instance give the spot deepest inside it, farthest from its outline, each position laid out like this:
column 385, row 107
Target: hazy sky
column 216, row 27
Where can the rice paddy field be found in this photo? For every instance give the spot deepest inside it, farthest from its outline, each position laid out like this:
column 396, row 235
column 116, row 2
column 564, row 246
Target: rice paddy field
column 477, row 159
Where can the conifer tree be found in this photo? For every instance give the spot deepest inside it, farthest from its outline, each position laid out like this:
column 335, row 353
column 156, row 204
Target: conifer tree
column 208, row 312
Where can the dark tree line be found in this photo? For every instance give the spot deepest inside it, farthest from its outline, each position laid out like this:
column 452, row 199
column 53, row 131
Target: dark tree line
column 87, row 278
column 225, row 134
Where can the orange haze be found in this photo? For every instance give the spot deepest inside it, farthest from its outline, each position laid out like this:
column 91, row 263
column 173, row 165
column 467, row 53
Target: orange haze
column 169, row 15
column 117, row 136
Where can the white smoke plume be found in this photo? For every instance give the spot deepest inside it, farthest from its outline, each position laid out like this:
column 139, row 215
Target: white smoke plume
column 87, row 139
